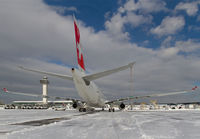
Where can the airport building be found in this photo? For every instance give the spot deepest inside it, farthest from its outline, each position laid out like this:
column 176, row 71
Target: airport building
column 44, row 104
column 40, row 104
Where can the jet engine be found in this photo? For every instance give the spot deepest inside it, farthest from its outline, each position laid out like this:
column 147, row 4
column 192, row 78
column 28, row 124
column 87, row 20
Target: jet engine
column 122, row 106
column 75, row 105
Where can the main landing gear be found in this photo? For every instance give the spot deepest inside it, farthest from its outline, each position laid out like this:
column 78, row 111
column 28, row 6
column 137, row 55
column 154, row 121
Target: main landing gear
column 82, row 109
column 111, row 110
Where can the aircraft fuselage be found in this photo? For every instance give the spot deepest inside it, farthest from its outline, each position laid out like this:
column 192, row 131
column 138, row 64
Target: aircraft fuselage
column 87, row 90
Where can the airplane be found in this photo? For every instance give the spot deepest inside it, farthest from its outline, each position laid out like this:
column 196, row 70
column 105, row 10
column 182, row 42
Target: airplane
column 86, row 88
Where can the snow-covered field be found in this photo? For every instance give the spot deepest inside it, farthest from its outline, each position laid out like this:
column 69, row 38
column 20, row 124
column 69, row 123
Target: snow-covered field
column 49, row 124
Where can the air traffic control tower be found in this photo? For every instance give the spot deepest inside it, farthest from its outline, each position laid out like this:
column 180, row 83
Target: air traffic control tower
column 45, row 83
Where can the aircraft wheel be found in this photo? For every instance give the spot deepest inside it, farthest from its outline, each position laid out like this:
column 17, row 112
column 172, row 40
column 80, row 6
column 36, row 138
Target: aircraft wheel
column 84, row 109
column 109, row 110
column 113, row 110
column 80, row 109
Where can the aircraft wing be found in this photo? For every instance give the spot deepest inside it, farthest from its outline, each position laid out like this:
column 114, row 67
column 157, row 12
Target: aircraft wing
column 48, row 73
column 66, row 98
column 35, row 95
column 108, row 72
column 152, row 95
column 20, row 93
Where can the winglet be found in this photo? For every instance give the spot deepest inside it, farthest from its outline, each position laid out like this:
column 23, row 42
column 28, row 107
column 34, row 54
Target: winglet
column 194, row 88
column 5, row 90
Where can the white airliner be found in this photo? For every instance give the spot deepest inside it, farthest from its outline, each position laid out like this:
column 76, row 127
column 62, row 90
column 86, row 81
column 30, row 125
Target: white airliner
column 87, row 90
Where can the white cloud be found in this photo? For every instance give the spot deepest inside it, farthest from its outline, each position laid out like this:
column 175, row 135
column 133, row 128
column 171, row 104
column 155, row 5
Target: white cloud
column 107, row 15
column 169, row 25
column 188, row 46
column 62, row 10
column 126, row 14
column 136, row 20
column 115, row 25
column 191, row 8
column 134, row 14
column 167, row 42
column 130, row 5
column 169, row 52
column 145, row 6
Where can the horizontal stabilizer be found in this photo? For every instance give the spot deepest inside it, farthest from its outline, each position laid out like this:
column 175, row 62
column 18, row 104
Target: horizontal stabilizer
column 48, row 73
column 108, row 72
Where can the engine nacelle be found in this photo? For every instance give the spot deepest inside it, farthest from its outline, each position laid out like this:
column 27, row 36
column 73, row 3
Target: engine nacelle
column 75, row 105
column 122, row 106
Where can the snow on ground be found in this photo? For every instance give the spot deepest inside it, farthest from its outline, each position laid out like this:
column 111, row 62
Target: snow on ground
column 22, row 124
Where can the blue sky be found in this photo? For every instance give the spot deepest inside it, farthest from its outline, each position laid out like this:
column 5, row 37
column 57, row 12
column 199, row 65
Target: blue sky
column 95, row 13
column 91, row 12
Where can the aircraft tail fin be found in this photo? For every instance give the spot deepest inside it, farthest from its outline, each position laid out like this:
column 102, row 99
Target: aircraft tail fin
column 78, row 47
column 5, row 90
column 194, row 88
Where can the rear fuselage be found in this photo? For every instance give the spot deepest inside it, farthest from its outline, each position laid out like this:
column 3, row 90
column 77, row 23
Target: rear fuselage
column 87, row 90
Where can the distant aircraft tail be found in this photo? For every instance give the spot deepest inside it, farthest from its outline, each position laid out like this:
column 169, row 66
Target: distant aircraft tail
column 194, row 88
column 5, row 90
column 78, row 48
